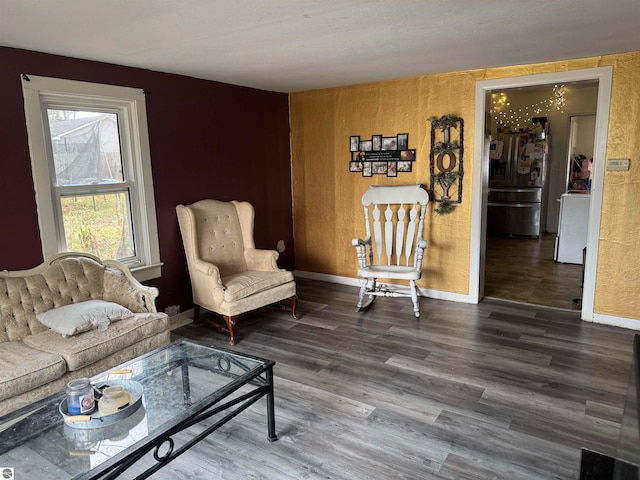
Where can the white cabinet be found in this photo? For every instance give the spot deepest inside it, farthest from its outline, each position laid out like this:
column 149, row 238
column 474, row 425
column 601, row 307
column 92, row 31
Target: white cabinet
column 572, row 229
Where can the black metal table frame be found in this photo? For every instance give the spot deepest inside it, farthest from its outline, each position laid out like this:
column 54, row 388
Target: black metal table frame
column 262, row 379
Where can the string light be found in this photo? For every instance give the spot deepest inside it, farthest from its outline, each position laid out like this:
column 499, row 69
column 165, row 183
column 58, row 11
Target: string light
column 521, row 117
column 559, row 93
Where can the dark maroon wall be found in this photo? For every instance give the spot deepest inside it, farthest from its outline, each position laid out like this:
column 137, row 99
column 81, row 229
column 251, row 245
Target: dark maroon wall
column 208, row 140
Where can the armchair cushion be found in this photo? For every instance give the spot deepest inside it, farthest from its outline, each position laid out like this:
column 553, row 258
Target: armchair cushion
column 241, row 285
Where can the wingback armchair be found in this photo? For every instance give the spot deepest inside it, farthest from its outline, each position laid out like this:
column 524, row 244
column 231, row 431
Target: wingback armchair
column 228, row 274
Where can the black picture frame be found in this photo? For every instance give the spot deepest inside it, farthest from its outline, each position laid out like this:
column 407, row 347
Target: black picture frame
column 376, row 143
column 354, row 143
column 379, row 168
column 389, row 143
column 405, row 166
column 381, row 155
column 403, row 141
column 365, row 145
column 355, row 166
column 407, row 155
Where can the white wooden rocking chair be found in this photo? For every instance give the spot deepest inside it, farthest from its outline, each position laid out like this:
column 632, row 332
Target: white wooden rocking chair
column 398, row 244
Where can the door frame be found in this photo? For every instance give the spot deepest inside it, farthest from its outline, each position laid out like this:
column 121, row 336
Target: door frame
column 480, row 190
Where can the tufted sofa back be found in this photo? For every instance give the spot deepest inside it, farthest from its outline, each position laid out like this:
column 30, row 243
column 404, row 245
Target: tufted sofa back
column 62, row 281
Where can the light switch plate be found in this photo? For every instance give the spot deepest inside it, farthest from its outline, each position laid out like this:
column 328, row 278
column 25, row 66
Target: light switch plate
column 618, row 164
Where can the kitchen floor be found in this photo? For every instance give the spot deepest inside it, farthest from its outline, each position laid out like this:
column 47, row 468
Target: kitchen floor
column 523, row 270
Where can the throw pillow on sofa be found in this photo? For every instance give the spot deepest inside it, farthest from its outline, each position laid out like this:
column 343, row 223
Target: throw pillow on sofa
column 83, row 316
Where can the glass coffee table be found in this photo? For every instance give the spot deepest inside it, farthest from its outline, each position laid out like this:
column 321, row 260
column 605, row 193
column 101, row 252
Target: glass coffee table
column 183, row 383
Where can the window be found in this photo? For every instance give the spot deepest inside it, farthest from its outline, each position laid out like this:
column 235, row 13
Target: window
column 92, row 171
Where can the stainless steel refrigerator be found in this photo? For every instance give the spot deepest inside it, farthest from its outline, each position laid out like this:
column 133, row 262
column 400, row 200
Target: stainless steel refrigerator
column 517, row 180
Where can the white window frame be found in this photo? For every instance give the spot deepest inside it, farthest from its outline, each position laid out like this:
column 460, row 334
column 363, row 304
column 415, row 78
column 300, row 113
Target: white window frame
column 42, row 92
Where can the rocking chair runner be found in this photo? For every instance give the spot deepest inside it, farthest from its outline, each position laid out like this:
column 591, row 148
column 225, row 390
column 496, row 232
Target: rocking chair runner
column 397, row 241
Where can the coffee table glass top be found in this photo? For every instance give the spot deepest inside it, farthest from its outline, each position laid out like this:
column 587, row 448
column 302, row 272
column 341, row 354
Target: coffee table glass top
column 178, row 381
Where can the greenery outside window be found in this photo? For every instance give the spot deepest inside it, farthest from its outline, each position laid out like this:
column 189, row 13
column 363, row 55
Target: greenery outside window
column 92, row 171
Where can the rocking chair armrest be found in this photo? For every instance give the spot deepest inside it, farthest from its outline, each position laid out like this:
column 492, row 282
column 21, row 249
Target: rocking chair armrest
column 356, row 242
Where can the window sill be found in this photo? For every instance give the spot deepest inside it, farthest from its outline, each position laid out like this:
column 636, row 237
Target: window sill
column 143, row 273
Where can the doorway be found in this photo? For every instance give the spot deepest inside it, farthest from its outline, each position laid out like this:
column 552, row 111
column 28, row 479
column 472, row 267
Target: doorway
column 523, row 215
column 603, row 77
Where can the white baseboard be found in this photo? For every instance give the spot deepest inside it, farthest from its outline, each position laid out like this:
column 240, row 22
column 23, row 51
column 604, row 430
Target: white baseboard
column 460, row 298
column 630, row 323
column 181, row 319
column 356, row 282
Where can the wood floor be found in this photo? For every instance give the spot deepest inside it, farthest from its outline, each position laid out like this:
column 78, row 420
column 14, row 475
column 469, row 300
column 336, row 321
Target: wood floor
column 523, row 270
column 488, row 391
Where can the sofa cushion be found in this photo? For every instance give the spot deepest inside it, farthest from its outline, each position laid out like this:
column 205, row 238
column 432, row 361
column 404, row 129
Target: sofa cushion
column 242, row 285
column 79, row 317
column 89, row 347
column 23, row 368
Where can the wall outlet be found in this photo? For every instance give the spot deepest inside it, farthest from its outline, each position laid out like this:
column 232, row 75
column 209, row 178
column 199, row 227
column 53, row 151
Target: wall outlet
column 617, row 164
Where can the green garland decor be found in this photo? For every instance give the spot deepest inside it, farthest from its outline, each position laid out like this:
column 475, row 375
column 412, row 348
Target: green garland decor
column 446, row 166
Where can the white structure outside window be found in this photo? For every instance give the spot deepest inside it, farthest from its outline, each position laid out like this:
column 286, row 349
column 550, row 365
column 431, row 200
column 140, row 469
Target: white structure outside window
column 91, row 167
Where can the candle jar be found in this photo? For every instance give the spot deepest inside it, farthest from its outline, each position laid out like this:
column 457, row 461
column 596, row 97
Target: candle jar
column 113, row 399
column 80, row 399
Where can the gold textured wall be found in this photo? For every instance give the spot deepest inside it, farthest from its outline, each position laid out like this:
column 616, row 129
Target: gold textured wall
column 326, row 196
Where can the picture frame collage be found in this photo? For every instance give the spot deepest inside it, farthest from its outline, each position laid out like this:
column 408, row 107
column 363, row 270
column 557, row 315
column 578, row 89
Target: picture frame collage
column 381, row 155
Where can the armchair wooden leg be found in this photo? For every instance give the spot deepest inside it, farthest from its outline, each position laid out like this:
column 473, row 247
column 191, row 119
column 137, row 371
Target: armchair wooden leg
column 294, row 303
column 196, row 313
column 231, row 321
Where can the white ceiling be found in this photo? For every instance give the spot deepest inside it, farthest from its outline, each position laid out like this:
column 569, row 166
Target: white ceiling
column 296, row 45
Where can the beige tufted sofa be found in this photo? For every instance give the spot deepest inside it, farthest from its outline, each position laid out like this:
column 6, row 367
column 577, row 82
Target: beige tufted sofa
column 36, row 361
